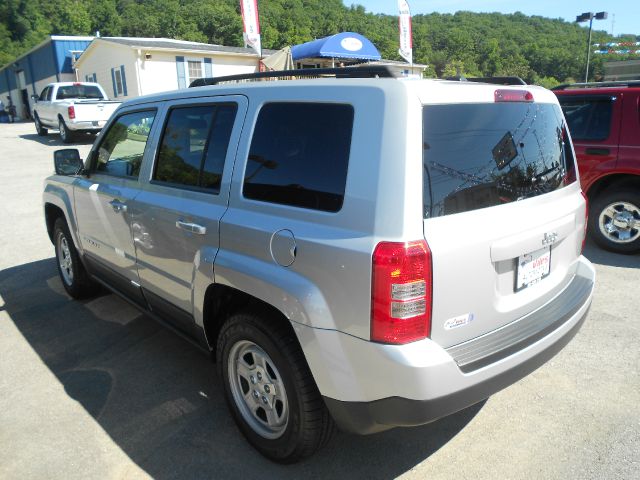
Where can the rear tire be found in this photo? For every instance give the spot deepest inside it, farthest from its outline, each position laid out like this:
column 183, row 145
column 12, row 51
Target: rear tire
column 65, row 134
column 269, row 388
column 74, row 277
column 40, row 130
column 614, row 221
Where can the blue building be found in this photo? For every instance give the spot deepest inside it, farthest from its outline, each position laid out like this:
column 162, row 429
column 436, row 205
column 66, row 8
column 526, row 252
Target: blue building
column 51, row 61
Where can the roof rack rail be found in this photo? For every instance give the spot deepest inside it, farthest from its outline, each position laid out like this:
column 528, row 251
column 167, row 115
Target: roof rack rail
column 492, row 80
column 617, row 83
column 343, row 72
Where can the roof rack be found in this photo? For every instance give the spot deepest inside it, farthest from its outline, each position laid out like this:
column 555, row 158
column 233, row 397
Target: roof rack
column 492, row 80
column 343, row 72
column 619, row 83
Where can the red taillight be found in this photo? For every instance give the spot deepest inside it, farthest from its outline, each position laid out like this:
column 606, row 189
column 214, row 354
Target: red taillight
column 76, row 84
column 401, row 292
column 72, row 112
column 586, row 219
column 504, row 95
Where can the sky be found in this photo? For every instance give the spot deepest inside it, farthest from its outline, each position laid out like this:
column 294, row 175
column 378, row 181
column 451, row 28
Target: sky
column 627, row 12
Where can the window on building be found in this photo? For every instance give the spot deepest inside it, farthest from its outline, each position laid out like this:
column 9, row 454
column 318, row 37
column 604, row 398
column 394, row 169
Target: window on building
column 194, row 70
column 299, row 155
column 119, row 88
column 122, row 146
column 194, row 146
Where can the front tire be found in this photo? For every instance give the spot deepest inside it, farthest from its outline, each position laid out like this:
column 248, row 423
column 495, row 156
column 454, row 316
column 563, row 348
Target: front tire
column 614, row 221
column 65, row 134
column 40, row 130
column 269, row 388
column 74, row 277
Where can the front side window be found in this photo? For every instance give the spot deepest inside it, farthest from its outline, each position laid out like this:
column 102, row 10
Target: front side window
column 79, row 91
column 194, row 146
column 588, row 117
column 299, row 155
column 122, row 147
column 43, row 95
column 483, row 155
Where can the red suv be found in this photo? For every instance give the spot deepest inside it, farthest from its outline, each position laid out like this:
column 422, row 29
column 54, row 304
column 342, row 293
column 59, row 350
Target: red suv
column 604, row 121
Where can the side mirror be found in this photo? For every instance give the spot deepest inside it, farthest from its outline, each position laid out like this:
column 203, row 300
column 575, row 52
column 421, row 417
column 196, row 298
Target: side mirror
column 67, row 161
column 35, row 98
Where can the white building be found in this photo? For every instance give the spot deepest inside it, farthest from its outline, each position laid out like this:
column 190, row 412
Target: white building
column 129, row 67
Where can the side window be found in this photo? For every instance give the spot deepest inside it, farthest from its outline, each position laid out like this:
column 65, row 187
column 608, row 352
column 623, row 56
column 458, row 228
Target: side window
column 43, row 95
column 122, row 147
column 589, row 118
column 299, row 155
column 49, row 94
column 194, row 146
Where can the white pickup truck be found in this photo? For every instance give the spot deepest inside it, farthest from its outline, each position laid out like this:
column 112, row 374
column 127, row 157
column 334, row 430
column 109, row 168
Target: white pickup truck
column 72, row 107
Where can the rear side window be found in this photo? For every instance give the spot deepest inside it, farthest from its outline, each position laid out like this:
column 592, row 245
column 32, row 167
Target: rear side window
column 482, row 155
column 79, row 91
column 299, row 155
column 194, row 146
column 589, row 118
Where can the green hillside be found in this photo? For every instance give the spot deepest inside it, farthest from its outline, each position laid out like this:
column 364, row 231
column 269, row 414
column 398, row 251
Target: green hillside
column 538, row 49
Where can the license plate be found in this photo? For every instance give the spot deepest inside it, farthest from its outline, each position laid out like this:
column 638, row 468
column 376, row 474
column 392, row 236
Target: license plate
column 533, row 267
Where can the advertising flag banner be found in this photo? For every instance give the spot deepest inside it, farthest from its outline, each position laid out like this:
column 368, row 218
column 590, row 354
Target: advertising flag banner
column 406, row 41
column 251, row 25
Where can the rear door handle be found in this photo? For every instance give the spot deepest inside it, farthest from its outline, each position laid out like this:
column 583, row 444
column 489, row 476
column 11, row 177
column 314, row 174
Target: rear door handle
column 597, row 151
column 191, row 227
column 118, row 206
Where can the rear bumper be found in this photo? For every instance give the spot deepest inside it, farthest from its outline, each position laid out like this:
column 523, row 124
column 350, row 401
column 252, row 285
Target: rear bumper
column 86, row 126
column 370, row 387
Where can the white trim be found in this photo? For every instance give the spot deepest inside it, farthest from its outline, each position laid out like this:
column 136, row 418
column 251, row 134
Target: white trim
column 70, row 37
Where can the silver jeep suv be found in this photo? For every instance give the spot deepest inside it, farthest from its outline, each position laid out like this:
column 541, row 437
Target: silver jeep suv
column 360, row 252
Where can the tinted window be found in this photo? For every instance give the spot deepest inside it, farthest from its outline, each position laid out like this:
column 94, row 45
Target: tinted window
column 194, row 146
column 589, row 118
column 79, row 91
column 299, row 155
column 122, row 147
column 43, row 95
column 481, row 155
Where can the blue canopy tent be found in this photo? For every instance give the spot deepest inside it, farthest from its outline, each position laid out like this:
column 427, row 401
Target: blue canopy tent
column 347, row 45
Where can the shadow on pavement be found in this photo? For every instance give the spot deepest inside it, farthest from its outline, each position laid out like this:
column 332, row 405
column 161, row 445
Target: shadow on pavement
column 602, row 257
column 53, row 139
column 159, row 399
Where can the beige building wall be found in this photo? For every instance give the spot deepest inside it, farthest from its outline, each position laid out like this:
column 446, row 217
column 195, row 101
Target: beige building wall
column 160, row 72
column 101, row 58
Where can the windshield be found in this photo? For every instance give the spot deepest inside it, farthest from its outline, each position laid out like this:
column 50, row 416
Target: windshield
column 79, row 91
column 482, row 155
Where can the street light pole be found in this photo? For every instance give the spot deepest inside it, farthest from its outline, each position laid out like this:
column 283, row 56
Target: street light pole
column 583, row 18
column 586, row 70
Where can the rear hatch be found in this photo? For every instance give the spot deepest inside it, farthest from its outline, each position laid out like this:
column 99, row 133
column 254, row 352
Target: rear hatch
column 503, row 213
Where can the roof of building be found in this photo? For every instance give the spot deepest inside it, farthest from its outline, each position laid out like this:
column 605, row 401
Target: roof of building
column 171, row 44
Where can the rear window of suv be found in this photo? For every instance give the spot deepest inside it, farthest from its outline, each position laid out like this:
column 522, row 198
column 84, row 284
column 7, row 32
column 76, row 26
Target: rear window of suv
column 482, row 155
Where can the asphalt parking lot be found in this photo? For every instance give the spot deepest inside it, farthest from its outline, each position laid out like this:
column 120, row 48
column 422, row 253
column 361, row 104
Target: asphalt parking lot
column 94, row 389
